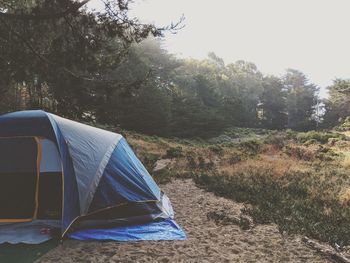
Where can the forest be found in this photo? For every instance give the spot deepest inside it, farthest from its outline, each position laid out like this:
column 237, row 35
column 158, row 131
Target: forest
column 105, row 67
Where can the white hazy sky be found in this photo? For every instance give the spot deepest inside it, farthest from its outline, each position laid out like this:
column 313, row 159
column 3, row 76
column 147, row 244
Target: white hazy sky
column 309, row 35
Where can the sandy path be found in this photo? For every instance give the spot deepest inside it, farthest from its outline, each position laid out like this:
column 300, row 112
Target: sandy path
column 206, row 240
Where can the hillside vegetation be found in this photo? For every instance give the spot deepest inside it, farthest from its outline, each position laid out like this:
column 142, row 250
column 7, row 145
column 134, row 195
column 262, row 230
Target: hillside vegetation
column 300, row 181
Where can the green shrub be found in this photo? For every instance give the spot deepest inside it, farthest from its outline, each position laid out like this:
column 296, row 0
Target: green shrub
column 299, row 153
column 290, row 134
column 174, row 152
column 191, row 161
column 321, row 137
column 344, row 125
column 202, row 164
column 235, row 158
column 162, row 176
column 327, row 154
column 310, row 142
column 149, row 160
column 333, row 141
column 251, row 147
column 216, row 149
column 277, row 140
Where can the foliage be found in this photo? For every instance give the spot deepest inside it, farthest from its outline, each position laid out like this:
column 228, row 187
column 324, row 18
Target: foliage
column 337, row 104
column 149, row 160
column 320, row 137
column 277, row 140
column 273, row 103
column 343, row 125
column 107, row 68
column 174, row 152
column 216, row 149
column 301, row 101
column 252, row 147
column 299, row 152
column 58, row 55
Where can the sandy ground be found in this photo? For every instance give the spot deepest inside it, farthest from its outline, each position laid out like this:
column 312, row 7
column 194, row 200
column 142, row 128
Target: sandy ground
column 207, row 240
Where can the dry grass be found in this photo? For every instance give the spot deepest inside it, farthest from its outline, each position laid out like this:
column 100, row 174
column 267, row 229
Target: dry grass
column 344, row 197
column 301, row 186
column 346, row 161
column 277, row 164
column 346, row 133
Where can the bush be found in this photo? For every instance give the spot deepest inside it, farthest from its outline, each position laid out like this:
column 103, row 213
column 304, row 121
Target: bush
column 191, row 161
column 310, row 142
column 333, row 141
column 202, row 164
column 326, row 154
column 298, row 152
column 174, row 152
column 276, row 140
column 162, row 176
column 290, row 134
column 149, row 160
column 321, row 137
column 216, row 149
column 235, row 158
column 344, row 125
column 252, row 147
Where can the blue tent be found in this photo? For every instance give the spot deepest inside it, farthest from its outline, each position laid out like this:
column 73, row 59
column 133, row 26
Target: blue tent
column 86, row 181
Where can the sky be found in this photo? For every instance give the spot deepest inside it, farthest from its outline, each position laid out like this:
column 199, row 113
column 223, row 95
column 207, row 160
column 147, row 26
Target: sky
column 308, row 35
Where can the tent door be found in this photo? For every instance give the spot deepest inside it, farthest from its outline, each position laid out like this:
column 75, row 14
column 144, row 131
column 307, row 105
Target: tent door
column 19, row 178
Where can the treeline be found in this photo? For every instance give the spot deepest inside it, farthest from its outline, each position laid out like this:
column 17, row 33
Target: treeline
column 90, row 66
column 189, row 97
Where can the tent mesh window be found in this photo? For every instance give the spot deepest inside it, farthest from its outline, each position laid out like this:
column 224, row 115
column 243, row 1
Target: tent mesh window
column 18, row 178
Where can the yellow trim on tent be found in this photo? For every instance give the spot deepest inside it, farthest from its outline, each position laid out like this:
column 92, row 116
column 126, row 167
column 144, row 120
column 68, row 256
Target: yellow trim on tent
column 15, row 220
column 62, row 201
column 38, row 160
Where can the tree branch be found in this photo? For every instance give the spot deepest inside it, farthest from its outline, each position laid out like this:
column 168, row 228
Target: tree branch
column 42, row 58
column 74, row 8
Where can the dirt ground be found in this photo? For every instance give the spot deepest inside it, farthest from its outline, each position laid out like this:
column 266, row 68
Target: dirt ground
column 208, row 240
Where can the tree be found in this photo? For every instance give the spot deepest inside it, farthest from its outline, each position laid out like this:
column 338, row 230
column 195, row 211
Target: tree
column 337, row 106
column 301, row 100
column 145, row 105
column 246, row 84
column 273, row 108
column 61, row 46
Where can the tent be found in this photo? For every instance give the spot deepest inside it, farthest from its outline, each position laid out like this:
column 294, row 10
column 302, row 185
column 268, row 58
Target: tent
column 86, row 182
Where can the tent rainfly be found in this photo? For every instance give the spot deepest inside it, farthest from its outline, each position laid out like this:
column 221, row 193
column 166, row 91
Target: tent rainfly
column 85, row 182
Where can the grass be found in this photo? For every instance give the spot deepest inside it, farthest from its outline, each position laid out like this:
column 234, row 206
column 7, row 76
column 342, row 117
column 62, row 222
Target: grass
column 299, row 181
column 346, row 161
